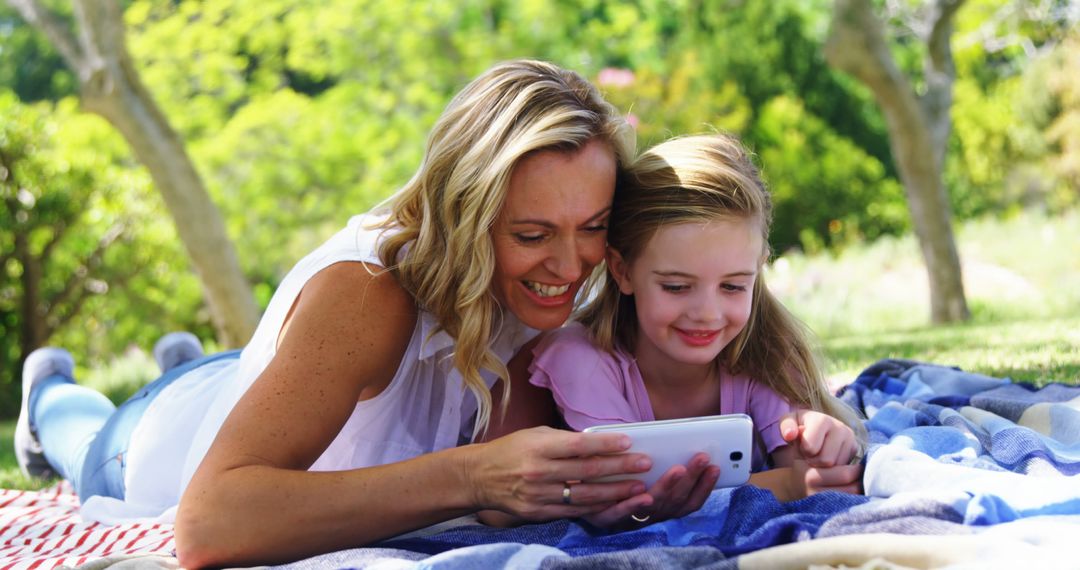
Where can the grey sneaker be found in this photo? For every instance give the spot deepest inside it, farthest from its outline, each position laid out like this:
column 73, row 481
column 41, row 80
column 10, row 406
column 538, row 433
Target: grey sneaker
column 176, row 348
column 41, row 364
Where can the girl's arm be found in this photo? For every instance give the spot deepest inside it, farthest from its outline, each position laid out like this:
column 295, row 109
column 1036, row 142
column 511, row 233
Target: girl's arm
column 252, row 499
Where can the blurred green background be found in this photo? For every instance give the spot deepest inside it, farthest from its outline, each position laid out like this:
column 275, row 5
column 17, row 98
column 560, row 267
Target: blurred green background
column 298, row 114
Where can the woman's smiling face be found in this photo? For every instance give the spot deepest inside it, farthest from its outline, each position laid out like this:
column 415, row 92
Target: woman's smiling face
column 551, row 231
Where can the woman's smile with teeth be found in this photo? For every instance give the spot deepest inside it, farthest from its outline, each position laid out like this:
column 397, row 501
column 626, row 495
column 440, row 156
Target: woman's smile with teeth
column 547, row 290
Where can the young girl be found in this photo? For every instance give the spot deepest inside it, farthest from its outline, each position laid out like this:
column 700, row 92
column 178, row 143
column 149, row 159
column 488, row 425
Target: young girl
column 685, row 326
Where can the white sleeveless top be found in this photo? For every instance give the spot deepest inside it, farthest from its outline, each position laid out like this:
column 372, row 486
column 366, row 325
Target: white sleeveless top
column 425, row 407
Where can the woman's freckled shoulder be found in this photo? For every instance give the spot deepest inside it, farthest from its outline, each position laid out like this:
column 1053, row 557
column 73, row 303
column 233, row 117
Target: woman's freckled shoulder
column 366, row 285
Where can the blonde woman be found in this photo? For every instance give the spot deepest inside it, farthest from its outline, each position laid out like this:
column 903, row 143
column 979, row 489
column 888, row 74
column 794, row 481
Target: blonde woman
column 382, row 351
column 685, row 326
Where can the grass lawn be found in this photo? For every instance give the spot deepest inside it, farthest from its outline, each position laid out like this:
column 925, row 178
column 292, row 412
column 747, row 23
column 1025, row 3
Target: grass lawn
column 10, row 476
column 1038, row 351
column 1022, row 278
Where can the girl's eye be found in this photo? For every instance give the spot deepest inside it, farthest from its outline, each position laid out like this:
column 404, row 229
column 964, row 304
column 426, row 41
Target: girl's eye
column 674, row 287
column 597, row 228
column 733, row 288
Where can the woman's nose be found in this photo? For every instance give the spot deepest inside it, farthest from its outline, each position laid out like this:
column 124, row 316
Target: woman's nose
column 565, row 260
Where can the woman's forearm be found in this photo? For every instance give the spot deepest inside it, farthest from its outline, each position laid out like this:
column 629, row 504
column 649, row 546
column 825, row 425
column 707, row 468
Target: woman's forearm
column 261, row 514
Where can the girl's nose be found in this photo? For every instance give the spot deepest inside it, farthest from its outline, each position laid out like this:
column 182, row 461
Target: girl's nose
column 708, row 307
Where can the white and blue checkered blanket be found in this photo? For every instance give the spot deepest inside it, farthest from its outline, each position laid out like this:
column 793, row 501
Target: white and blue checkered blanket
column 963, row 470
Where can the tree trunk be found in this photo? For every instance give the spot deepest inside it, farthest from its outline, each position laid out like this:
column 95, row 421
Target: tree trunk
column 919, row 129
column 931, row 216
column 110, row 86
column 34, row 332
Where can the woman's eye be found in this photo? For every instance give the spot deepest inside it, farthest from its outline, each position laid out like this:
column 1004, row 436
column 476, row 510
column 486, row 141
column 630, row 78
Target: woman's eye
column 597, row 228
column 674, row 287
column 529, row 238
column 731, row 287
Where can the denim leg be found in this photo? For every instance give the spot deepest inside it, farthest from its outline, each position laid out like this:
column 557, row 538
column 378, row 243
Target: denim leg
column 66, row 418
column 103, row 469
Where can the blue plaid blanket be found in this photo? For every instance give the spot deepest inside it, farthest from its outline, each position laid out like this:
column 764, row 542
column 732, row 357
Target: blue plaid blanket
column 952, row 454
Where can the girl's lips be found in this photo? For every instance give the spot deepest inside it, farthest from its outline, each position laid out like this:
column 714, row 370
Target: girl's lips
column 697, row 338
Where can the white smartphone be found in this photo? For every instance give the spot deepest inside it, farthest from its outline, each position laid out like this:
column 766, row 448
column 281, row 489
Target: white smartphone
column 727, row 439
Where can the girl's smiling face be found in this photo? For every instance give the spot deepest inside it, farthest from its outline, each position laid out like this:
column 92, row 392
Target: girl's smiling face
column 693, row 286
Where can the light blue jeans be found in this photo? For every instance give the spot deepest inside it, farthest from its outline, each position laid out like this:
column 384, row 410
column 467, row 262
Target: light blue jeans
column 85, row 437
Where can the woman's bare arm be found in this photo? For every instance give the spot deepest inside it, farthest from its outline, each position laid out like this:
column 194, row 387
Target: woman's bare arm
column 252, row 499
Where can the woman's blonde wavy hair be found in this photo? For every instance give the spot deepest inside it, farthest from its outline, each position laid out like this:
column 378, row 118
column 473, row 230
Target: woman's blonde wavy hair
column 442, row 253
column 700, row 179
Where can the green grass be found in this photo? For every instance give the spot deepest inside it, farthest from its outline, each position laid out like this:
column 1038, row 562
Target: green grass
column 10, row 476
column 1020, row 269
column 1022, row 278
column 1037, row 351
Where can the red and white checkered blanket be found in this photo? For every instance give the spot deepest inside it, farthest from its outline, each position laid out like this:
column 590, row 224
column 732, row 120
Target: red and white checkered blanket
column 43, row 529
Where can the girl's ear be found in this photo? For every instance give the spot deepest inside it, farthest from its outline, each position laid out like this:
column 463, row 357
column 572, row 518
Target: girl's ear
column 620, row 271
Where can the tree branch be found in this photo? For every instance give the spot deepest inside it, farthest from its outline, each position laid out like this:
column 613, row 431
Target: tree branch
column 93, row 260
column 102, row 25
column 857, row 45
column 937, row 42
column 59, row 231
column 76, row 306
column 939, row 72
column 52, row 26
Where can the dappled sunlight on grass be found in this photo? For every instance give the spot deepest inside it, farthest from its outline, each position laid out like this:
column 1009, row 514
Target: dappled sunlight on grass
column 1035, row 351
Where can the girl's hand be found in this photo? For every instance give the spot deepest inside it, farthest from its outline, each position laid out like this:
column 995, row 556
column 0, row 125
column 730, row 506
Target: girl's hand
column 526, row 473
column 823, row 441
column 679, row 492
column 808, row 480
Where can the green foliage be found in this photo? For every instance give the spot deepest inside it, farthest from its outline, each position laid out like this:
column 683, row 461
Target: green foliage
column 828, row 192
column 300, row 113
column 29, row 65
column 1063, row 133
column 294, row 130
column 1004, row 153
column 108, row 272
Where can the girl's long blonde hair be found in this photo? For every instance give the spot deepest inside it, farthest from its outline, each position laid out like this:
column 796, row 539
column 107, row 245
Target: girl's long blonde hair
column 443, row 253
column 698, row 179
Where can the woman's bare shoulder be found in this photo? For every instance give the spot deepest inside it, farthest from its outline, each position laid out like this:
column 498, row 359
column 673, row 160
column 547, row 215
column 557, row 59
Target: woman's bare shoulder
column 353, row 319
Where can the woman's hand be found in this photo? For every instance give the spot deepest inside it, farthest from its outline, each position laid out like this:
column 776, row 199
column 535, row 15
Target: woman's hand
column 679, row 492
column 527, row 473
column 820, row 439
